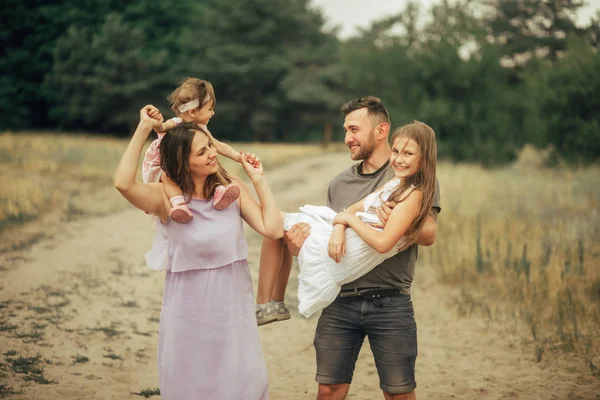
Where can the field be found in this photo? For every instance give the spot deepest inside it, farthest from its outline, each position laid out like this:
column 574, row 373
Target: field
column 517, row 252
column 524, row 242
column 41, row 171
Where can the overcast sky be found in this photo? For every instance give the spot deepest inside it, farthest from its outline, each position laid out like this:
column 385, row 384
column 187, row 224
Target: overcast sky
column 350, row 14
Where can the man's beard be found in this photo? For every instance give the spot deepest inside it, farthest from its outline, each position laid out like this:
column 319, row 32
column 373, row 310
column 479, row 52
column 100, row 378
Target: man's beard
column 366, row 149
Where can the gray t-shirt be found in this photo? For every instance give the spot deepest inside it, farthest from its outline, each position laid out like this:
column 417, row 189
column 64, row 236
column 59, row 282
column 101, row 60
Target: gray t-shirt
column 352, row 186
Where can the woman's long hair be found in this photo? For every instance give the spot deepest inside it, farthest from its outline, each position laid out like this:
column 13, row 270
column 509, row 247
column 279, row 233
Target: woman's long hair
column 423, row 180
column 175, row 149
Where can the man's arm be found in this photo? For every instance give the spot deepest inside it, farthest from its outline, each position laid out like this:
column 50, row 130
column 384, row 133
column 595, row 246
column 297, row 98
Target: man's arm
column 429, row 231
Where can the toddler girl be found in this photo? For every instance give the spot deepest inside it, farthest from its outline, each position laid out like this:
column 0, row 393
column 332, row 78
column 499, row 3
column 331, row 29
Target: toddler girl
column 193, row 101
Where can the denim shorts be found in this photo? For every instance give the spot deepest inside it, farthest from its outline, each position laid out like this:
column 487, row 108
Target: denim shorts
column 389, row 324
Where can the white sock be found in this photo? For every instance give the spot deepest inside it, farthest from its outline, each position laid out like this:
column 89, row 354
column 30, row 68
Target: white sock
column 176, row 200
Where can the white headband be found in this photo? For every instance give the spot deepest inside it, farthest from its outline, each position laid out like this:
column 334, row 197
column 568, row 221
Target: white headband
column 193, row 104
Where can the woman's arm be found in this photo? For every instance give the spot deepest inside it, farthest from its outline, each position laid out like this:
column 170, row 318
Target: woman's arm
column 263, row 216
column 401, row 218
column 146, row 197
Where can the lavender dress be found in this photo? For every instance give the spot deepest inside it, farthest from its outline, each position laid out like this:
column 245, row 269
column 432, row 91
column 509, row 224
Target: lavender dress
column 208, row 346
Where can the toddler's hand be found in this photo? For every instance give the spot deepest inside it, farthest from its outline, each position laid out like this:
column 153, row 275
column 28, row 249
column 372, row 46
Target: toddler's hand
column 155, row 114
column 251, row 158
column 252, row 165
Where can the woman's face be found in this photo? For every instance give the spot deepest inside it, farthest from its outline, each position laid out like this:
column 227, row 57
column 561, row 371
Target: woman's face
column 203, row 156
column 405, row 158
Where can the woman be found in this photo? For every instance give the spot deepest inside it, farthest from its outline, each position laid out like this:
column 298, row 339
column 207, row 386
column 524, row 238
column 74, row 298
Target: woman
column 208, row 339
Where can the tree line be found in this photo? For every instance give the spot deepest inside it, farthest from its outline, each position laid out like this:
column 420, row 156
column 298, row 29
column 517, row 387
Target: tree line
column 488, row 75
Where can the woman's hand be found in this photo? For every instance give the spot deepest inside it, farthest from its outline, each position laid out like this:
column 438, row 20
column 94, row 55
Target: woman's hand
column 151, row 116
column 251, row 158
column 342, row 218
column 252, row 166
column 337, row 243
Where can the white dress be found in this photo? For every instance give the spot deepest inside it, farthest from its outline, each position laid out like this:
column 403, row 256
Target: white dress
column 321, row 278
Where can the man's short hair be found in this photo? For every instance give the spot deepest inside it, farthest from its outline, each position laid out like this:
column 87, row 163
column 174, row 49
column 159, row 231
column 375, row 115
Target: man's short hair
column 375, row 109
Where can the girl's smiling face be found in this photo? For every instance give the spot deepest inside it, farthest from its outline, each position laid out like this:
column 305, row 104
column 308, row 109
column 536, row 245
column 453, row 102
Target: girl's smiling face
column 405, row 158
column 204, row 114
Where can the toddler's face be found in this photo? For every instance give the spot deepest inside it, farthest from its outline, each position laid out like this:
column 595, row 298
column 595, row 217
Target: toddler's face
column 204, row 114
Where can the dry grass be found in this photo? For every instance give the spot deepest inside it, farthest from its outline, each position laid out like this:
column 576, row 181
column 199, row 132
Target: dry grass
column 519, row 242
column 530, row 238
column 39, row 172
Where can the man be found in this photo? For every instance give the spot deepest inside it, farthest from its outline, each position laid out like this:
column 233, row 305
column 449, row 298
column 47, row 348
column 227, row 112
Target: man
column 367, row 306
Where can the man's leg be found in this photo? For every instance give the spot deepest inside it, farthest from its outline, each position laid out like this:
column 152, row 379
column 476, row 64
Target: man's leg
column 403, row 396
column 392, row 332
column 333, row 392
column 338, row 339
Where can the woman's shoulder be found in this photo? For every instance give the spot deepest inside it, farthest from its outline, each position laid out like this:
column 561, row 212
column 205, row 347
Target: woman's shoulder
column 236, row 180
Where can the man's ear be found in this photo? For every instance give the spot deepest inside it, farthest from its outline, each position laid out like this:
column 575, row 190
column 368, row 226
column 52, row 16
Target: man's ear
column 383, row 130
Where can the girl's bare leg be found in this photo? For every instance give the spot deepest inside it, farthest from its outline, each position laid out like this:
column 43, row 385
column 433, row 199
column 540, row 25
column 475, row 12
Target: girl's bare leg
column 179, row 212
column 271, row 254
column 171, row 189
column 283, row 276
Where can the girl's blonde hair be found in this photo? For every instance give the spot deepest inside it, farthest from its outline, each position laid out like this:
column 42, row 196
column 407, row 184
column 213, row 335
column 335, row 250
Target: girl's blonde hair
column 175, row 150
column 423, row 180
column 191, row 89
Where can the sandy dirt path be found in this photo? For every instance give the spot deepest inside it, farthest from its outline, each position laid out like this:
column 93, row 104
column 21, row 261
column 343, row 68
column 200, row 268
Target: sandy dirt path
column 79, row 317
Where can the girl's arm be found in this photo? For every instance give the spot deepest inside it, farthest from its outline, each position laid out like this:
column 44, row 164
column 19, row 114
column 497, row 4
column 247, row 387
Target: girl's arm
column 165, row 126
column 224, row 149
column 263, row 216
column 359, row 206
column 401, row 218
column 336, row 247
column 146, row 197
column 356, row 207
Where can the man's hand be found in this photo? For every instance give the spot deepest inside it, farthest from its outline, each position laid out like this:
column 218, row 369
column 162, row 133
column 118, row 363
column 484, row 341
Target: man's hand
column 295, row 237
column 383, row 212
